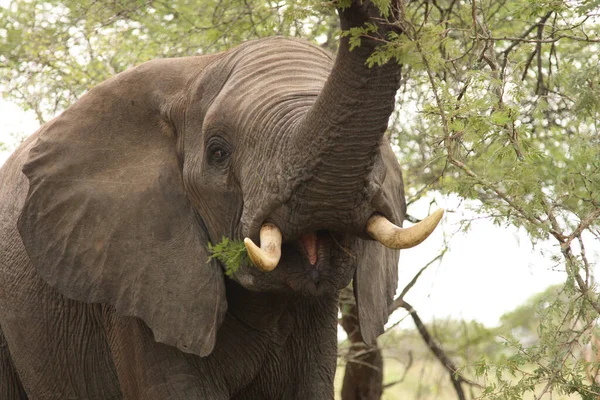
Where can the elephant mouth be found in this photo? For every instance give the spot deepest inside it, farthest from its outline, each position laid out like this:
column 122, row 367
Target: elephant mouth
column 378, row 227
column 315, row 248
column 317, row 268
column 310, row 244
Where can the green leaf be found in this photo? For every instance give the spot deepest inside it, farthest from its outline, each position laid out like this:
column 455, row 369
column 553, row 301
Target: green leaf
column 232, row 254
column 500, row 117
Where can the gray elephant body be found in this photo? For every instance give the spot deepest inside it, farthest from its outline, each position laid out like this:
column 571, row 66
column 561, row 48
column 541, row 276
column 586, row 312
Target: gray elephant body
column 106, row 290
column 64, row 349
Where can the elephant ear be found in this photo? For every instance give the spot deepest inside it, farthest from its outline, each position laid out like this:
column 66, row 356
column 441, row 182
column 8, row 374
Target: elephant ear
column 376, row 277
column 106, row 219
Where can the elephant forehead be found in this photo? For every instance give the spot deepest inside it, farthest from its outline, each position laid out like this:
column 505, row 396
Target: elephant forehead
column 277, row 66
column 270, row 82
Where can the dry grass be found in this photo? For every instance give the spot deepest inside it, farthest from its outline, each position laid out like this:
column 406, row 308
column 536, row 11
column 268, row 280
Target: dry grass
column 425, row 380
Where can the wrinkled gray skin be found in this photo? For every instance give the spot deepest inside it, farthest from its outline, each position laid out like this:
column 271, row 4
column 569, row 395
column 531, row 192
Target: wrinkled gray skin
column 106, row 212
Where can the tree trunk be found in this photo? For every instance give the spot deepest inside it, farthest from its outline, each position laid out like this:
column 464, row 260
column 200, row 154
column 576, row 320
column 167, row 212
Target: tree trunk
column 363, row 379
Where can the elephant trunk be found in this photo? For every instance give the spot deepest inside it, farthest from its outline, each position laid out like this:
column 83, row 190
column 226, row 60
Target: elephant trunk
column 337, row 141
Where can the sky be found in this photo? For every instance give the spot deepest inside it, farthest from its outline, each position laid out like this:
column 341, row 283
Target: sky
column 487, row 271
column 15, row 125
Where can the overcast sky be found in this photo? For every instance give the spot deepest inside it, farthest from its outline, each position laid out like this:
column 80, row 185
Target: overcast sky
column 488, row 270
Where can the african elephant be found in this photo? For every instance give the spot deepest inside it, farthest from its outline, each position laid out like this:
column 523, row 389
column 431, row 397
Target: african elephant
column 106, row 286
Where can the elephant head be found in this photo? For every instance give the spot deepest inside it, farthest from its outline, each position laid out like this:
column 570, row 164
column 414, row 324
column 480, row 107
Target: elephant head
column 273, row 142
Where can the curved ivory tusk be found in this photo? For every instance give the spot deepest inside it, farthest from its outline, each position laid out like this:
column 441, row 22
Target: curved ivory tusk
column 394, row 237
column 266, row 257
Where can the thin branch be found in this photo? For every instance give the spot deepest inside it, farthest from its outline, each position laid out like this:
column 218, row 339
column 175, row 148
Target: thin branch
column 553, row 40
column 399, row 300
column 584, row 224
column 539, row 89
column 455, row 376
column 572, row 270
column 406, row 369
column 556, row 230
column 521, row 38
column 528, row 64
column 586, row 263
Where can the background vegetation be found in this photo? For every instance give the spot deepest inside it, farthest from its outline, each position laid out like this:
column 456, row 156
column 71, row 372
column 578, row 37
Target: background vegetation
column 499, row 105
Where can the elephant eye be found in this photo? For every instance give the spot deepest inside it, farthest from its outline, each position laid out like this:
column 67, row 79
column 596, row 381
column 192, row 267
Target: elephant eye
column 219, row 150
column 220, row 154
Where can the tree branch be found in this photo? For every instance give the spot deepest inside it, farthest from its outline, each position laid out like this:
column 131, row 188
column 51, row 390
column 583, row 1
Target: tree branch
column 399, row 300
column 455, row 376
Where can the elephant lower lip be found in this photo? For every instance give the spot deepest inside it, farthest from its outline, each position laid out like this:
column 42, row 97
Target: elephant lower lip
column 321, row 277
column 315, row 275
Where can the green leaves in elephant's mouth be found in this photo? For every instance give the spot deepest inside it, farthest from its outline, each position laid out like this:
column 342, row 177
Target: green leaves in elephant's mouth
column 232, row 254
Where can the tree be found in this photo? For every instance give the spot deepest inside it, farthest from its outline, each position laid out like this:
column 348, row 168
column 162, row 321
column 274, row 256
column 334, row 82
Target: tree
column 53, row 51
column 499, row 105
column 507, row 94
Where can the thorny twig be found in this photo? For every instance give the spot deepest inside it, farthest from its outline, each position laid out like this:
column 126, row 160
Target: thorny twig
column 555, row 230
column 455, row 376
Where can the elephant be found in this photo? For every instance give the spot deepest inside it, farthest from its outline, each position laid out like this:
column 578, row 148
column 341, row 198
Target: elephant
column 107, row 287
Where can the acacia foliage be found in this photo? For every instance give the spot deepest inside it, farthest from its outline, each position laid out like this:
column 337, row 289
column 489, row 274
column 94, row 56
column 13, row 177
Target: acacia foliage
column 507, row 98
column 507, row 94
column 499, row 105
column 51, row 52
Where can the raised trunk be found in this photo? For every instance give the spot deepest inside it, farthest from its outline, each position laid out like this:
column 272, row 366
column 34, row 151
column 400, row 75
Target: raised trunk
column 340, row 135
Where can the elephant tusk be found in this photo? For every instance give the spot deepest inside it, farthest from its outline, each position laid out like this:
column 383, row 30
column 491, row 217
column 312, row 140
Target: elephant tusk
column 394, row 237
column 266, row 257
